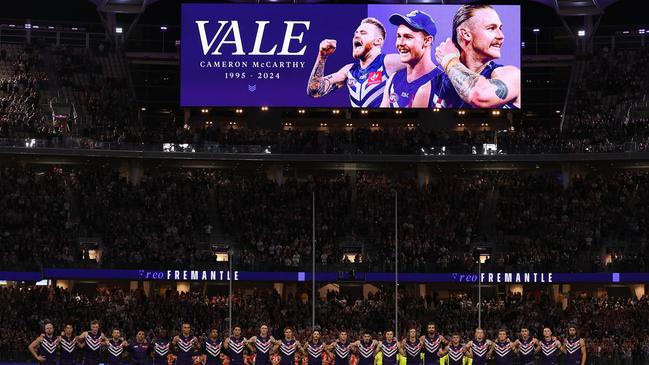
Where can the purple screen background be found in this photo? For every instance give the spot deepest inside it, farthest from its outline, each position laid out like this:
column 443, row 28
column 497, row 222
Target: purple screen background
column 208, row 86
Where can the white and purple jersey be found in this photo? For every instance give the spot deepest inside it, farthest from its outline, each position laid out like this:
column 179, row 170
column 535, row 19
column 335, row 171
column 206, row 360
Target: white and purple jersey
column 402, row 93
column 549, row 352
column 93, row 345
column 186, row 350
column 115, row 350
column 160, row 352
column 212, row 351
column 366, row 352
column 573, row 351
column 389, row 352
column 342, row 353
column 503, row 354
column 262, row 353
column 314, row 352
column 47, row 349
column 431, row 347
column 413, row 352
column 479, row 351
column 526, row 351
column 366, row 85
column 287, row 352
column 455, row 354
column 235, row 350
column 68, row 348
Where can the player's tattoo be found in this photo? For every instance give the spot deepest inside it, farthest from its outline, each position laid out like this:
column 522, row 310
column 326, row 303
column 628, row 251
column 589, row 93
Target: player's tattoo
column 463, row 80
column 501, row 88
column 318, row 84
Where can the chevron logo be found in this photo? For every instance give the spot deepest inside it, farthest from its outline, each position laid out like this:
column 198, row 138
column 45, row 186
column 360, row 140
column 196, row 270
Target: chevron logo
column 186, row 345
column 389, row 350
column 213, row 348
column 548, row 349
column 413, row 349
column 367, row 351
column 573, row 347
column 68, row 345
column 115, row 349
column 236, row 345
column 432, row 344
column 288, row 348
column 263, row 344
column 252, row 88
column 315, row 350
column 342, row 349
column 455, row 353
column 93, row 343
column 526, row 348
column 49, row 344
column 161, row 349
column 502, row 350
column 479, row 350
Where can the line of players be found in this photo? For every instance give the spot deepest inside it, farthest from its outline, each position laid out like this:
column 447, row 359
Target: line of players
column 267, row 350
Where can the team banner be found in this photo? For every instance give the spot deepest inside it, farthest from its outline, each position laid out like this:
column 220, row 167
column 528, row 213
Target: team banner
column 189, row 274
column 361, row 56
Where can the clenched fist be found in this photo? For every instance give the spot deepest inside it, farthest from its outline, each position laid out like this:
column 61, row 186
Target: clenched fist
column 327, row 47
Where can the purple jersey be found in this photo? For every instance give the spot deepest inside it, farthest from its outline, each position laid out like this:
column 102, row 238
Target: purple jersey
column 503, row 354
column 413, row 352
column 455, row 354
column 263, row 346
column 139, row 352
column 389, row 352
column 449, row 98
column 287, row 352
column 342, row 353
column 573, row 351
column 47, row 349
column 93, row 345
column 431, row 347
column 479, row 350
column 365, row 85
column 314, row 352
column 212, row 350
column 115, row 350
column 186, row 350
column 366, row 352
column 526, row 351
column 402, row 93
column 68, row 348
column 160, row 351
column 235, row 350
column 549, row 352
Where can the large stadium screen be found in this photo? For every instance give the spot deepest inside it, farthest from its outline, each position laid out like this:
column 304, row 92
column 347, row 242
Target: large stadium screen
column 361, row 56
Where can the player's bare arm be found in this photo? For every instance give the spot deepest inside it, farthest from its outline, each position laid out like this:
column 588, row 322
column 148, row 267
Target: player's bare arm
column 474, row 88
column 393, row 64
column 320, row 85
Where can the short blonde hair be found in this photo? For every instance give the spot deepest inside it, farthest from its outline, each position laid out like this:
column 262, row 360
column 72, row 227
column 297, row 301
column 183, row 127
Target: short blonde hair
column 375, row 22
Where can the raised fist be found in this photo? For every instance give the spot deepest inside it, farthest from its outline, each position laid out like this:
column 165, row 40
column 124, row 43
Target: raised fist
column 327, row 47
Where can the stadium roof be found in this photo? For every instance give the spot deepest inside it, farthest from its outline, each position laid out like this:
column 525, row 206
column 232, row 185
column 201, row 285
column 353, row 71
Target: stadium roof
column 578, row 7
column 122, row 6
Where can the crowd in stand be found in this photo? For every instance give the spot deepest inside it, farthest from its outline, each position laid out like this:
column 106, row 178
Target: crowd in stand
column 540, row 221
column 611, row 327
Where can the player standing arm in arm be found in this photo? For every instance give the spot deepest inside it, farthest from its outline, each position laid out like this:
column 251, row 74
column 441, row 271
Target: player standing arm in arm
column 320, row 85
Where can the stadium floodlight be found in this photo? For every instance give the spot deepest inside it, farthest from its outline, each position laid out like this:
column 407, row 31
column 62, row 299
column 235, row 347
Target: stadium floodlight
column 163, row 28
column 581, row 33
column 28, row 26
column 536, row 30
column 119, row 30
column 641, row 31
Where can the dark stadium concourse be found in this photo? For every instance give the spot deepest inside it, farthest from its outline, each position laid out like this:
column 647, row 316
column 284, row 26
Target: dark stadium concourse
column 368, row 205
